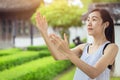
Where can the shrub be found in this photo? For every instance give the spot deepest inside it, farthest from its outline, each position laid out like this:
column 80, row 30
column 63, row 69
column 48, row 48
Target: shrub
column 37, row 48
column 41, row 69
column 72, row 45
column 9, row 51
column 9, row 61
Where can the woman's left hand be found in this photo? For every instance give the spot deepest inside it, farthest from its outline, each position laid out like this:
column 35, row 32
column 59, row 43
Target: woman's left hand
column 60, row 44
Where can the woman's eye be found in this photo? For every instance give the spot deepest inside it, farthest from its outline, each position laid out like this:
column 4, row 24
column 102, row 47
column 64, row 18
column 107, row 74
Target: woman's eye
column 88, row 20
column 94, row 19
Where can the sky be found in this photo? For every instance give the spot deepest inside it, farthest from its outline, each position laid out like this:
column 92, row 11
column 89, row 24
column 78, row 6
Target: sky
column 72, row 2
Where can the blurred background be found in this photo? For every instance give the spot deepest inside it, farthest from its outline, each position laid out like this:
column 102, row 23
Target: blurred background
column 23, row 52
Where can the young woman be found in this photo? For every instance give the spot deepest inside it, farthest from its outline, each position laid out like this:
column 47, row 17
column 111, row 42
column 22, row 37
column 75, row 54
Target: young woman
column 97, row 58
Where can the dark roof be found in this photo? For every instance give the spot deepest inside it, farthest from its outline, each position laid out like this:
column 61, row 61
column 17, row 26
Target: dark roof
column 18, row 5
column 21, row 9
column 113, row 8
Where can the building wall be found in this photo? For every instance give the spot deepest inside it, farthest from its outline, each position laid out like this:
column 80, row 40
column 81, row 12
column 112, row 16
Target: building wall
column 5, row 33
column 38, row 40
column 117, row 62
column 12, row 29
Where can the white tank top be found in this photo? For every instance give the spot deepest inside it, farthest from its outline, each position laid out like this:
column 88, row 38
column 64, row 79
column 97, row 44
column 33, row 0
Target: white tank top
column 91, row 59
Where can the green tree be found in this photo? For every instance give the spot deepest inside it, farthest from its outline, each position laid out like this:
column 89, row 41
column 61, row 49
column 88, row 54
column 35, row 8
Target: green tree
column 86, row 4
column 61, row 16
column 105, row 0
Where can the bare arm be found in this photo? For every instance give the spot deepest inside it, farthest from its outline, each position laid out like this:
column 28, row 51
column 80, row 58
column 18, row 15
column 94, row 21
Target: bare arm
column 42, row 27
column 92, row 71
column 100, row 66
column 78, row 49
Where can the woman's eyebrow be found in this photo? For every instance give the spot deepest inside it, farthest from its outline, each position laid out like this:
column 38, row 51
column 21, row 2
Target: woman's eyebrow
column 95, row 17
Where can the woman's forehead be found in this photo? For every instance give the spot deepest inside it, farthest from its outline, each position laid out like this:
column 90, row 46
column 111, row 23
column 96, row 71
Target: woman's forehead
column 95, row 14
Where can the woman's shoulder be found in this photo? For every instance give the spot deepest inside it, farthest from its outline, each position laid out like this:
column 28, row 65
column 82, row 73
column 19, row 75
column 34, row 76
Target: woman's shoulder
column 112, row 47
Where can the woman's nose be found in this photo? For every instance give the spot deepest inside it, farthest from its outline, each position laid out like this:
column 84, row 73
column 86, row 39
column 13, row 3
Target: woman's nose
column 89, row 22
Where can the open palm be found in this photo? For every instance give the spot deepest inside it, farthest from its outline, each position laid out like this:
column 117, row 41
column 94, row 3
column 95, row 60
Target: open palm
column 41, row 23
column 61, row 45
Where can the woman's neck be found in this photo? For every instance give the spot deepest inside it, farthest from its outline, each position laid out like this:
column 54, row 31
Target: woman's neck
column 99, row 40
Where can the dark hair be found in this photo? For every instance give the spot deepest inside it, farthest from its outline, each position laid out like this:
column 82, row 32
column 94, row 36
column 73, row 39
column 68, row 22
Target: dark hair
column 109, row 31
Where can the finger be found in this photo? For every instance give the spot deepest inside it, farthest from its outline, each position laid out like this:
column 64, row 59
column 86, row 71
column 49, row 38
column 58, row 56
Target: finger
column 38, row 15
column 65, row 38
column 38, row 19
column 44, row 20
column 49, row 35
column 52, row 39
column 57, row 38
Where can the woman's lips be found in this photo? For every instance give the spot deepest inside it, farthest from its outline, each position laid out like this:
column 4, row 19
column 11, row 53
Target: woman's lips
column 90, row 28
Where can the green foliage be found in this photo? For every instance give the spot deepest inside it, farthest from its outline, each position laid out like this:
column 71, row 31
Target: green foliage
column 84, row 40
column 106, row 0
column 60, row 14
column 9, row 61
column 41, row 69
column 68, row 75
column 9, row 51
column 115, row 78
column 37, row 48
column 72, row 46
column 86, row 4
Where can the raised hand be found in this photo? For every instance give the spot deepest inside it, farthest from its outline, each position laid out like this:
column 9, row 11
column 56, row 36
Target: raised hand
column 41, row 23
column 55, row 49
column 61, row 45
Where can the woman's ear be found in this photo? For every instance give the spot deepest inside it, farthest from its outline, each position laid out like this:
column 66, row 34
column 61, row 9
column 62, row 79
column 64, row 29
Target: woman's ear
column 106, row 24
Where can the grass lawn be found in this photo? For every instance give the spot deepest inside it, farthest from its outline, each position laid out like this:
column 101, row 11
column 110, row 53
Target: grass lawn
column 68, row 75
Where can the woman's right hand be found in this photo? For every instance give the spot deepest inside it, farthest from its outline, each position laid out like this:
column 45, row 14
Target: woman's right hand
column 42, row 26
column 41, row 23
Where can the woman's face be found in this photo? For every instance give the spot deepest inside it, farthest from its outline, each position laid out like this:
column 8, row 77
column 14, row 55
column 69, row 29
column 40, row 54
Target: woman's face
column 94, row 24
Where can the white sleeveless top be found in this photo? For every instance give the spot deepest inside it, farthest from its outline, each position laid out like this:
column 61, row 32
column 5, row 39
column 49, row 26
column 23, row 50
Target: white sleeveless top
column 91, row 59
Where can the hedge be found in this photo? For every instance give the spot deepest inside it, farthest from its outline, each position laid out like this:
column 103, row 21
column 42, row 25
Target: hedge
column 42, row 69
column 9, row 61
column 9, row 51
column 43, row 47
column 37, row 48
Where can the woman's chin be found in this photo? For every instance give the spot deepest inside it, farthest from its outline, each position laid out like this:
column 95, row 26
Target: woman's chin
column 90, row 34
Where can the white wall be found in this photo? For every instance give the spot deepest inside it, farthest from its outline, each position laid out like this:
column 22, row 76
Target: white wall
column 117, row 62
column 74, row 32
column 79, row 31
